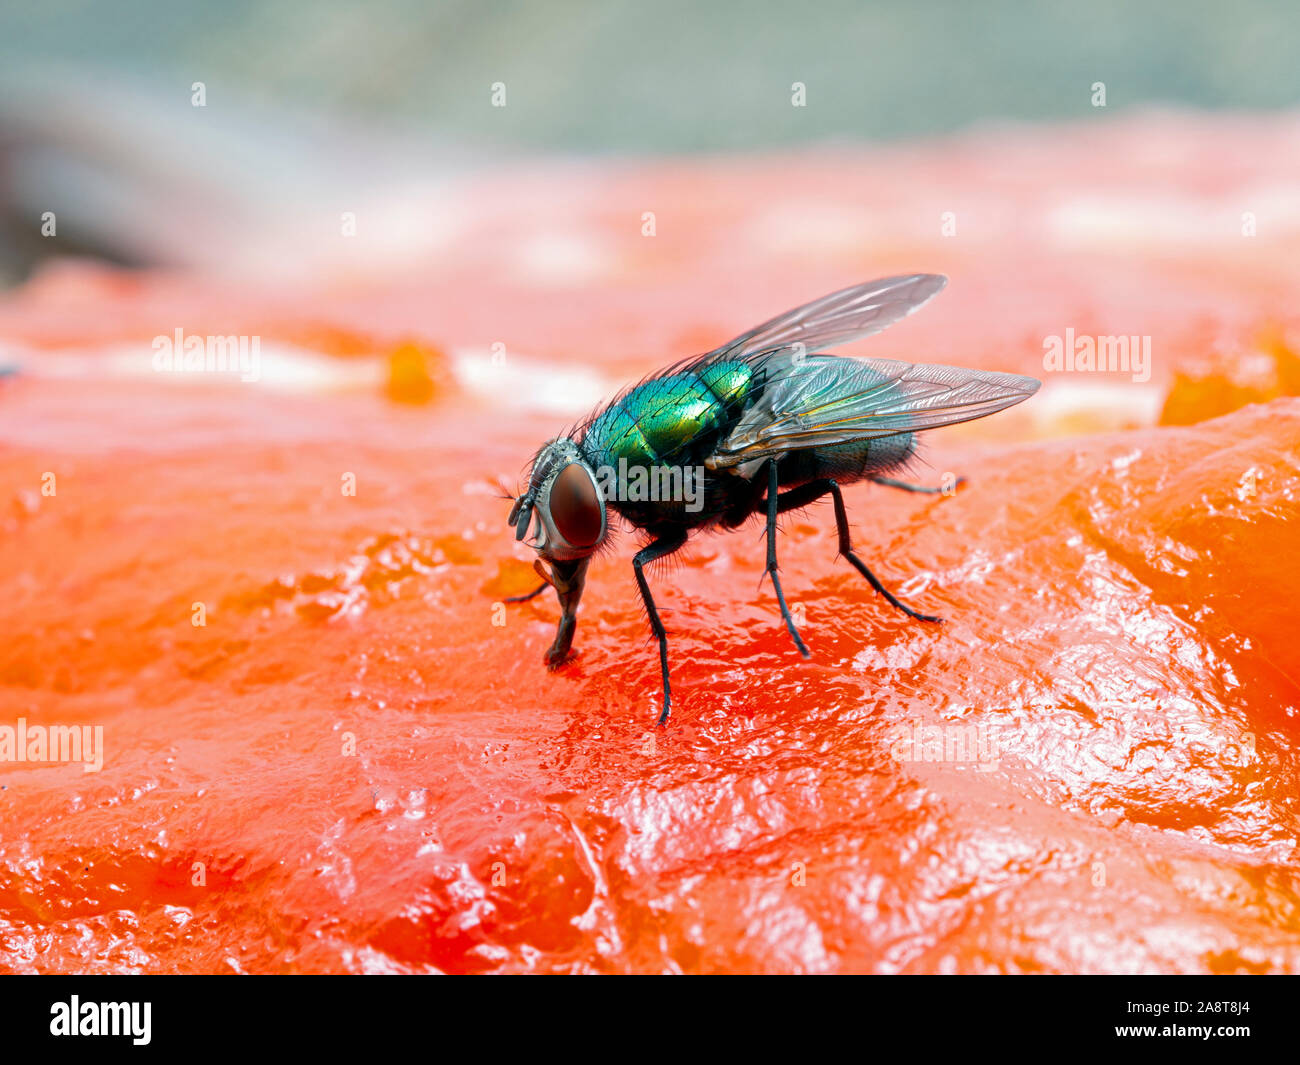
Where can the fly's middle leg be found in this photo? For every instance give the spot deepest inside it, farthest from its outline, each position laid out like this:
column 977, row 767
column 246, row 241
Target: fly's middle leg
column 644, row 557
column 773, row 508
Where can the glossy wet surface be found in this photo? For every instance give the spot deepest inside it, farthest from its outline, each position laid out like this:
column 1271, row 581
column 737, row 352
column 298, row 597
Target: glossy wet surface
column 359, row 763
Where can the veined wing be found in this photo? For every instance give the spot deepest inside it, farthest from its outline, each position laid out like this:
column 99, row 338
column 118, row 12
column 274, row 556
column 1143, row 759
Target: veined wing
column 825, row 400
column 662, row 398
column 849, row 314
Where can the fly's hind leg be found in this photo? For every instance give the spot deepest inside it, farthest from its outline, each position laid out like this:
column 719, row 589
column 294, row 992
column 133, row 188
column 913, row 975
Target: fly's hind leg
column 906, row 486
column 846, row 549
column 773, row 508
column 808, row 493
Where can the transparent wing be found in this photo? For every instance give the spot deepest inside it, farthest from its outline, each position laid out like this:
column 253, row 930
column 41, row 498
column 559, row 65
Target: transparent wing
column 842, row 316
column 826, row 400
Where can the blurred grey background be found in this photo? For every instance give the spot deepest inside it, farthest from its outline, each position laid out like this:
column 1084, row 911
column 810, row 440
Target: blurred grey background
column 95, row 97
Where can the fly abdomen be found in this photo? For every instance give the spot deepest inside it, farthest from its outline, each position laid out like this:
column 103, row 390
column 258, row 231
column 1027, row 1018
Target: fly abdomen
column 848, row 462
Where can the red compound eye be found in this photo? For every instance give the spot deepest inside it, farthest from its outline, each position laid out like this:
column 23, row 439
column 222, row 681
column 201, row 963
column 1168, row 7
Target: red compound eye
column 575, row 507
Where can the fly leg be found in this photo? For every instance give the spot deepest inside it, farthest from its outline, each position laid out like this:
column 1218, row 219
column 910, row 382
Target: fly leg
column 530, row 595
column 657, row 549
column 814, row 490
column 773, row 508
column 907, row 487
column 846, row 549
column 568, row 577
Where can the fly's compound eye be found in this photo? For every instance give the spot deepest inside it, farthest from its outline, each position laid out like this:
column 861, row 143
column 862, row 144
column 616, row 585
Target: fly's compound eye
column 576, row 507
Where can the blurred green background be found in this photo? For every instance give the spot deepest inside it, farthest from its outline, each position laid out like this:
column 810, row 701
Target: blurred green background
column 310, row 102
column 672, row 75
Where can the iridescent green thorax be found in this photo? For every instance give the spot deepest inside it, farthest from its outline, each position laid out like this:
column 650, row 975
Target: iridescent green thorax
column 655, row 421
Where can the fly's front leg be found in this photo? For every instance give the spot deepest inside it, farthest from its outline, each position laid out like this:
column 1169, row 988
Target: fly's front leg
column 529, row 595
column 568, row 578
column 773, row 508
column 643, row 558
column 558, row 653
column 846, row 549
